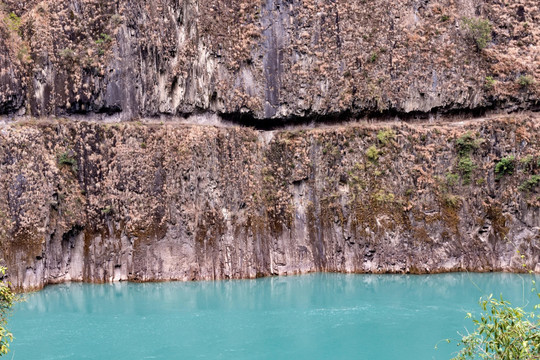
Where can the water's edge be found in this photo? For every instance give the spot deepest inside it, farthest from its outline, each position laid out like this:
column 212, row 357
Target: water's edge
column 22, row 291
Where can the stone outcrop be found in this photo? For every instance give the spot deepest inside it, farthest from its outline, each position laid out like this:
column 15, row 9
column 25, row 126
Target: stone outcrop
column 148, row 201
column 86, row 197
column 268, row 59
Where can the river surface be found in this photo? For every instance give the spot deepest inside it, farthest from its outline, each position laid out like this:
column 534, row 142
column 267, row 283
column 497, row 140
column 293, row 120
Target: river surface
column 316, row 316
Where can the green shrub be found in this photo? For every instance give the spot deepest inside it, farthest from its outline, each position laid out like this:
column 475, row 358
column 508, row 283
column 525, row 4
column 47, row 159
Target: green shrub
column 384, row 197
column 530, row 183
column 502, row 332
column 489, row 83
column 386, row 135
column 67, row 54
column 452, row 201
column 478, row 30
column 525, row 80
column 505, row 166
column 103, row 39
column 373, row 153
column 466, row 144
column 67, row 159
column 14, row 22
column 102, row 42
column 7, row 300
column 527, row 160
column 466, row 167
column 452, row 179
column 527, row 163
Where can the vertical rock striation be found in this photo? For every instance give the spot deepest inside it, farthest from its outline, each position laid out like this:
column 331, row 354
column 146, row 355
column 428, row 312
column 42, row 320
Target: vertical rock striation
column 269, row 59
column 147, row 201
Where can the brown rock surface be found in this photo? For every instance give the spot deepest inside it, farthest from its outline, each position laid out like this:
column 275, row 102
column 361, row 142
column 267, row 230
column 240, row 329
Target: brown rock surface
column 97, row 200
column 147, row 201
column 265, row 59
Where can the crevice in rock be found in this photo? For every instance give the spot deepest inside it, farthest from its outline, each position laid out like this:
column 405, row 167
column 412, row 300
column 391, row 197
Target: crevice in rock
column 448, row 113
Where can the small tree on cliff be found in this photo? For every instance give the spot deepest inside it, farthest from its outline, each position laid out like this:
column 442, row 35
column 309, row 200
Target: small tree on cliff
column 7, row 299
column 478, row 30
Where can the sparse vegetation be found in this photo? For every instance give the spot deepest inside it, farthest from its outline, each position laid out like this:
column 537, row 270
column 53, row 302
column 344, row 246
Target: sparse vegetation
column 117, row 20
column 373, row 153
column 386, row 135
column 489, row 83
column 502, row 332
column 7, row 300
column 102, row 42
column 23, row 54
column 525, row 80
column 530, row 183
column 478, row 30
column 452, row 179
column 67, row 159
column 107, row 210
column 465, row 145
column 13, row 22
column 505, row 166
column 67, row 54
column 103, row 39
column 466, row 167
column 452, row 201
column 480, row 181
column 384, row 197
column 525, row 161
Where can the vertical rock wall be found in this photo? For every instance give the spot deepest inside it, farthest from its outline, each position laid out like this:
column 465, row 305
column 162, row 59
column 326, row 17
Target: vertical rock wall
column 148, row 201
column 267, row 59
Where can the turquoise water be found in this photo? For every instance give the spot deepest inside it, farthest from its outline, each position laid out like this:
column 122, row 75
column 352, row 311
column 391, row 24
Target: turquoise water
column 317, row 316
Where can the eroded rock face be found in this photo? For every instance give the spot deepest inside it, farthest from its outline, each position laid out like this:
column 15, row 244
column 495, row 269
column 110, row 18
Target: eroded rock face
column 267, row 59
column 148, row 201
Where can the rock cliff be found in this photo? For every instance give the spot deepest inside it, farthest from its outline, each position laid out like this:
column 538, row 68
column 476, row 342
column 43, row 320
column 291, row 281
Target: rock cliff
column 280, row 59
column 85, row 195
column 156, row 201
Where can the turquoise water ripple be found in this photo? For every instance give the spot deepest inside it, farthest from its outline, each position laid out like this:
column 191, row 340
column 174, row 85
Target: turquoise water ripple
column 316, row 316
